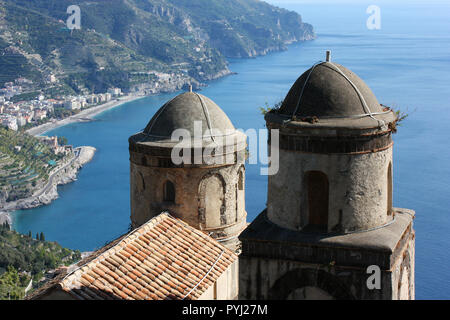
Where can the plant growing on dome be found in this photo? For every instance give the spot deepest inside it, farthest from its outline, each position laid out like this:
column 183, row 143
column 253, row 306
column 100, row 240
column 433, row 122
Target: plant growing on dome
column 400, row 116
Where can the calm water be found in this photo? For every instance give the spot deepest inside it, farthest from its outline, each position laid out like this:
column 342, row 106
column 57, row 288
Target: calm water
column 406, row 63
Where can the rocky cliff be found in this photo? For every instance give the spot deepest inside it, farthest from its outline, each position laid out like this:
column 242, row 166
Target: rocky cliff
column 127, row 43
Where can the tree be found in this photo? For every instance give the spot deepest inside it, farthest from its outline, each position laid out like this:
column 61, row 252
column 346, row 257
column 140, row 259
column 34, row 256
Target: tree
column 37, row 236
column 42, row 237
column 29, row 234
column 62, row 141
column 10, row 285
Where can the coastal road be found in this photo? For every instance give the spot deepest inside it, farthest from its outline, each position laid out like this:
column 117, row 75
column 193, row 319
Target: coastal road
column 10, row 206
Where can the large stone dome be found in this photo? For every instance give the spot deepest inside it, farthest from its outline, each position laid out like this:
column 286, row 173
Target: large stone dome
column 183, row 111
column 329, row 90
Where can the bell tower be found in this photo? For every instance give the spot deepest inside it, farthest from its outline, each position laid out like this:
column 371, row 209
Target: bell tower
column 330, row 229
column 205, row 188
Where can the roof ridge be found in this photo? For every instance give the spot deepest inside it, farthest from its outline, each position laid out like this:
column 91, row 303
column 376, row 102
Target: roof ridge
column 103, row 255
column 165, row 258
column 353, row 85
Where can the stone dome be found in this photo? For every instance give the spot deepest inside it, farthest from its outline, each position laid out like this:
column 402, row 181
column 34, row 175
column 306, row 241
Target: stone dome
column 324, row 92
column 182, row 111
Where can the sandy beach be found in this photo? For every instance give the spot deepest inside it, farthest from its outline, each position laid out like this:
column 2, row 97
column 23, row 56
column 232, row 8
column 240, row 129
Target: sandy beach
column 49, row 193
column 84, row 115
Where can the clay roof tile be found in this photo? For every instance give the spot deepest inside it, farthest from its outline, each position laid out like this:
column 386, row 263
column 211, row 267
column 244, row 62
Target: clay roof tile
column 163, row 259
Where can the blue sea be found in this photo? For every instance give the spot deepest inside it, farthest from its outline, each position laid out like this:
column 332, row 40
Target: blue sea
column 407, row 65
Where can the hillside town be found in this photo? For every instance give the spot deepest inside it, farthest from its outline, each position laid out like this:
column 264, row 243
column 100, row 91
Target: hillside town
column 40, row 109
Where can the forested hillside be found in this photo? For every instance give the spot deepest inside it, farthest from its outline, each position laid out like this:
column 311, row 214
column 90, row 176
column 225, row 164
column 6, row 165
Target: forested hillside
column 25, row 257
column 121, row 42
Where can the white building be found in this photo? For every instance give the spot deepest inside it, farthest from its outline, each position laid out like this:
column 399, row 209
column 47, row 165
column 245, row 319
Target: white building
column 72, row 104
column 115, row 92
column 51, row 78
column 10, row 123
column 40, row 114
column 21, row 121
column 93, row 99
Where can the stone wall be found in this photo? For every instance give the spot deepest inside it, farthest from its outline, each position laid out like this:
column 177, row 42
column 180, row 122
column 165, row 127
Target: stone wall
column 262, row 279
column 358, row 189
column 279, row 263
column 403, row 283
column 207, row 198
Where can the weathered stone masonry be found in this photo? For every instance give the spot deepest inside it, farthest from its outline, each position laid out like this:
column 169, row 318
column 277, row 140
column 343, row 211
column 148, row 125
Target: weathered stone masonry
column 329, row 210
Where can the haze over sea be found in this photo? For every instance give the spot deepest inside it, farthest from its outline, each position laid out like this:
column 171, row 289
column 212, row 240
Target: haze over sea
column 407, row 65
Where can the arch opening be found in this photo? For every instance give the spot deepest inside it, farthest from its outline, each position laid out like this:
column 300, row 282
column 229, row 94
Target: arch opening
column 212, row 202
column 240, row 195
column 241, row 180
column 309, row 293
column 389, row 189
column 317, row 187
column 308, row 283
column 169, row 192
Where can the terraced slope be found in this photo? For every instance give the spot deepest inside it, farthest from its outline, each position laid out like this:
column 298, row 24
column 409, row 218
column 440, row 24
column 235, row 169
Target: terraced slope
column 121, row 42
column 25, row 163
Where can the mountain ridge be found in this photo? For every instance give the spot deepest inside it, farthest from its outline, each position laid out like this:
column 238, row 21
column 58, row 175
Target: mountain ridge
column 129, row 43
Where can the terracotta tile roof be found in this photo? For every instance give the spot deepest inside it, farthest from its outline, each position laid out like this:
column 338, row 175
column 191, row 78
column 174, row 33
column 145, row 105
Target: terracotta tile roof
column 163, row 259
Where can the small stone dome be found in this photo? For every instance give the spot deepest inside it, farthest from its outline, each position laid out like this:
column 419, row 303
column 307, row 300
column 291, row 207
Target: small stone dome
column 329, row 94
column 182, row 111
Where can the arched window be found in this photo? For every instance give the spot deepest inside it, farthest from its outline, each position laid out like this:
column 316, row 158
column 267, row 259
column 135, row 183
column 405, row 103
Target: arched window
column 169, row 192
column 241, row 180
column 389, row 189
column 317, row 189
column 212, row 202
column 240, row 195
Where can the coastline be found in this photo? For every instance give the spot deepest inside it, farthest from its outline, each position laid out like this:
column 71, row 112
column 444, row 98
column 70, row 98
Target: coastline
column 68, row 172
column 46, row 197
column 49, row 193
column 83, row 116
column 63, row 174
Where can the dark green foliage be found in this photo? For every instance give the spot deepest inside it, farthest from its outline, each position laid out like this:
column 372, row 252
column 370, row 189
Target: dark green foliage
column 26, row 254
column 62, row 141
column 121, row 38
column 12, row 284
column 100, row 81
column 267, row 109
column 25, row 257
column 61, row 113
column 12, row 65
column 25, row 96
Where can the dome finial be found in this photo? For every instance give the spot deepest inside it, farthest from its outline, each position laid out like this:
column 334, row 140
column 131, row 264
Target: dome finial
column 328, row 57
